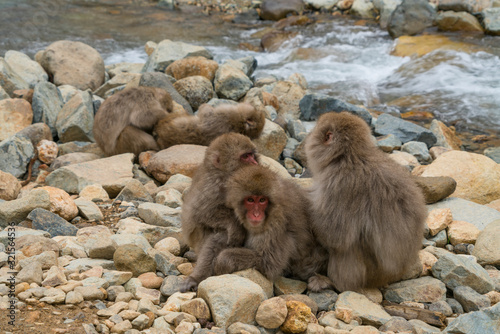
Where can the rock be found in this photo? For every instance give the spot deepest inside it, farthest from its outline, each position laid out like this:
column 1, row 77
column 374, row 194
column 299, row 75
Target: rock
column 122, row 327
column 11, row 81
column 47, row 221
column 411, row 18
column 362, row 307
column 151, row 294
column 273, row 40
column 389, row 143
column 53, row 296
column 272, row 313
column 241, row 328
column 152, row 233
column 75, row 121
column 88, row 209
column 73, row 158
column 86, row 264
column 133, row 239
column 55, row 277
column 397, row 325
column 271, row 141
column 162, row 80
column 417, row 46
column 195, row 89
column 231, row 298
column 445, row 136
column 17, row 210
column 231, row 82
column 441, row 238
column 493, row 153
column 9, row 186
column 132, row 258
column 47, row 103
column 174, row 302
column 462, row 232
column 73, row 297
column 15, row 154
column 424, row 289
column 436, row 188
column 472, row 7
column 170, row 197
column 464, row 210
column 170, row 245
column 178, row 159
column 31, row 273
column 61, row 203
column 277, row 10
column 404, row 130
column 94, row 191
column 325, row 299
column 98, row 247
column 111, row 173
column 256, row 277
column 115, row 277
column 36, row 133
column 283, row 286
column 363, row 9
column 73, row 63
column 418, row 150
column 197, row 307
column 441, row 306
column 438, row 220
column 193, row 66
column 134, row 190
column 150, row 280
column 470, row 299
column 477, row 176
column 159, row 215
column 290, row 96
column 28, row 69
column 458, row 21
column 455, row 306
column 405, row 159
column 169, row 51
column 298, row 317
column 313, row 105
column 456, row 270
column 484, row 322
column 321, row 4
column 178, row 182
column 490, row 21
column 118, row 81
column 15, row 115
column 47, row 151
column 486, row 250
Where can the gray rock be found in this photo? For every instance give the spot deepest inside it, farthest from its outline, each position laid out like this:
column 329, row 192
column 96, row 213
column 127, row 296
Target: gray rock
column 27, row 68
column 421, row 327
column 88, row 209
column 3, row 94
column 169, row 51
column 9, row 79
column 419, row 150
column 114, row 290
column 36, row 132
column 457, row 270
column 250, row 64
column 86, row 264
column 170, row 197
column 53, row 296
column 132, row 258
column 115, row 277
column 75, row 121
column 441, row 306
column 97, row 282
column 18, row 209
column 456, row 307
column 99, row 247
column 15, row 154
column 411, row 17
column 54, row 277
column 134, row 190
column 313, row 105
column 397, row 325
column 152, row 233
column 74, row 297
column 231, row 82
column 389, row 143
column 325, row 299
column 161, row 80
column 278, row 9
column 491, row 20
column 47, row 103
column 364, row 9
column 131, row 239
column 493, row 153
column 423, row 290
column 165, row 266
column 195, row 89
column 90, row 292
column 440, row 239
column 486, row 249
column 473, row 7
column 385, row 8
column 404, row 130
column 46, row 259
column 369, row 312
column 171, row 285
column 73, row 158
column 160, row 215
column 47, row 221
column 31, row 273
column 111, row 173
column 470, row 299
column 480, row 322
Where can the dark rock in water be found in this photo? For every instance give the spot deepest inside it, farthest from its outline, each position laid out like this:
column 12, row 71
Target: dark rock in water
column 161, row 80
column 436, row 188
column 47, row 221
column 313, row 105
column 411, row 17
column 406, row 131
column 132, row 258
column 279, row 9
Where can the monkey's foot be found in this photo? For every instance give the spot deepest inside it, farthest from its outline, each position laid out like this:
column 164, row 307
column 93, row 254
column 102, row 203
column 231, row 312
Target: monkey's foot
column 318, row 282
column 189, row 284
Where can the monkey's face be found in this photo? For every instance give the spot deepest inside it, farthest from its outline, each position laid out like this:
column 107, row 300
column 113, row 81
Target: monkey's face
column 255, row 216
column 254, row 122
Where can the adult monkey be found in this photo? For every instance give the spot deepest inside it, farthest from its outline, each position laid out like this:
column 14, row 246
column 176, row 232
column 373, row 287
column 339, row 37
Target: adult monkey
column 208, row 225
column 368, row 212
column 279, row 241
column 125, row 120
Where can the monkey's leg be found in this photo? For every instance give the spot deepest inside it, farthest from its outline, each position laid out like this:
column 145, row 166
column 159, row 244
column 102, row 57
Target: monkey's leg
column 347, row 269
column 135, row 141
column 235, row 259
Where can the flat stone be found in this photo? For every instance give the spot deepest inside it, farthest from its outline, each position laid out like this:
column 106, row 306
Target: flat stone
column 369, row 312
column 424, row 289
column 47, row 221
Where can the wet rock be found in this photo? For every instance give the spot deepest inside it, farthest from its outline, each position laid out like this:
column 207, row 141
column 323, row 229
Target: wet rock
column 470, row 299
column 15, row 154
column 11, row 81
column 162, row 80
column 418, row 150
column 169, row 51
column 9, row 186
column 424, row 289
column 313, row 105
column 112, row 173
column 15, row 115
column 364, row 9
column 271, row 141
column 231, row 82
column 458, row 21
column 436, row 188
column 362, row 307
column 88, row 209
column 73, row 63
column 274, row 40
column 178, row 159
column 132, row 258
column 17, row 210
column 457, row 270
column 491, row 19
column 75, row 121
column 486, row 250
column 404, row 130
column 272, row 313
column 484, row 322
column 195, row 89
column 47, row 221
column 277, row 10
column 411, row 18
column 231, row 298
column 460, row 232
column 477, row 176
column 389, row 143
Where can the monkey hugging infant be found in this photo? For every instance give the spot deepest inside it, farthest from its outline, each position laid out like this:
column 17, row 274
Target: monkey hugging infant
column 360, row 225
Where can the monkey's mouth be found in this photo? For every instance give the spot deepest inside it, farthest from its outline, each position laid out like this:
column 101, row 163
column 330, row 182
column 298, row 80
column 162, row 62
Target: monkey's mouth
column 255, row 222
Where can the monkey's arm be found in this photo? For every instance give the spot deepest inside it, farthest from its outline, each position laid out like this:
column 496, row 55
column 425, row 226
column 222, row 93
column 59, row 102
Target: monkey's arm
column 275, row 256
column 235, row 259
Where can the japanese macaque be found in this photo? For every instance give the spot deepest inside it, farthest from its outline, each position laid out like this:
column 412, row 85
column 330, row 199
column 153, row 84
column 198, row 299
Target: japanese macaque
column 368, row 212
column 279, row 241
column 208, row 225
column 208, row 124
column 125, row 120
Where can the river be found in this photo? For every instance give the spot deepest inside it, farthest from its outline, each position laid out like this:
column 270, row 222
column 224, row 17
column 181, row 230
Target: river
column 349, row 61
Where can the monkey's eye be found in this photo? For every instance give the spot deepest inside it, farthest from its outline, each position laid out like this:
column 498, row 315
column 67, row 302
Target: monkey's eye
column 250, row 200
column 262, row 200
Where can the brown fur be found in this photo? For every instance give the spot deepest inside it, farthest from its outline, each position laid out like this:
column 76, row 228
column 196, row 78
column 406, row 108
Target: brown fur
column 208, row 124
column 125, row 120
column 284, row 242
column 208, row 226
column 369, row 214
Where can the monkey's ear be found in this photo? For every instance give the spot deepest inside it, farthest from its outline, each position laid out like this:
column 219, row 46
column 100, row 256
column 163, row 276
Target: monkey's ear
column 216, row 161
column 328, row 137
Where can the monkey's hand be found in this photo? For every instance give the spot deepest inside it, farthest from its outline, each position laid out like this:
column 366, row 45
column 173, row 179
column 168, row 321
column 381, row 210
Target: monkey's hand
column 318, row 282
column 189, row 284
column 234, row 259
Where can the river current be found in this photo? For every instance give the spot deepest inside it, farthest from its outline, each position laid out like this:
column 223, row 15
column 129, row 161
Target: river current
column 338, row 57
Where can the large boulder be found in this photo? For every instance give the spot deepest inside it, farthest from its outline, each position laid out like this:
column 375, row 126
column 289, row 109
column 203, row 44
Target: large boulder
column 278, row 9
column 15, row 154
column 76, row 119
column 486, row 249
column 27, row 68
column 9, row 79
column 411, row 17
column 47, row 103
column 15, row 115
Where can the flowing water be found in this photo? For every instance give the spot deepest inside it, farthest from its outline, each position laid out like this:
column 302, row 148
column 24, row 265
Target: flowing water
column 337, row 57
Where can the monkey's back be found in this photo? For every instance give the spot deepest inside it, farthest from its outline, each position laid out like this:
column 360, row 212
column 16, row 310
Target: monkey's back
column 178, row 129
